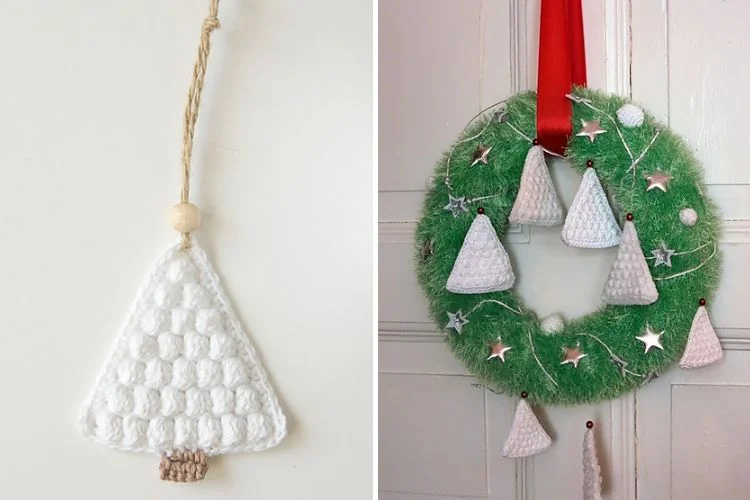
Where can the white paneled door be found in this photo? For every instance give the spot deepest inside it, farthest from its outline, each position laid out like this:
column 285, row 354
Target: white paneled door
column 684, row 436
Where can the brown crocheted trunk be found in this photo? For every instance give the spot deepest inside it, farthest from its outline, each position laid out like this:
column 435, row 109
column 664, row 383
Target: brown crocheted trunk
column 183, row 466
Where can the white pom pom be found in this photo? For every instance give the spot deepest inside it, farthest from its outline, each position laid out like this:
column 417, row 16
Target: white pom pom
column 630, row 115
column 688, row 216
column 553, row 323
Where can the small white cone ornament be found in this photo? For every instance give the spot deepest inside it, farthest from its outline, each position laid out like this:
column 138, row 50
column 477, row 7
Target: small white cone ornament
column 536, row 202
column 703, row 346
column 590, row 222
column 482, row 264
column 592, row 472
column 527, row 437
column 629, row 282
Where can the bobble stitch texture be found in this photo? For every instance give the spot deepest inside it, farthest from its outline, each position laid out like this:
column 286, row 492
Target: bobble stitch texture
column 183, row 380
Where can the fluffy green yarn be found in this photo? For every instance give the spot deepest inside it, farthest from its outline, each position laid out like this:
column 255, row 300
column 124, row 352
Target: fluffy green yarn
column 656, row 214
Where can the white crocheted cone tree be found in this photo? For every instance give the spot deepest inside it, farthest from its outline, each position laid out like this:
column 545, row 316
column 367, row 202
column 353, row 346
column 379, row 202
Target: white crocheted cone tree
column 183, row 376
column 527, row 436
column 629, row 282
column 536, row 202
column 592, row 472
column 590, row 222
column 703, row 347
column 482, row 264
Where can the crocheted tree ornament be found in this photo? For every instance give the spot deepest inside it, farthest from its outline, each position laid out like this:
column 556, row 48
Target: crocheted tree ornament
column 703, row 346
column 482, row 264
column 536, row 202
column 183, row 380
column 590, row 222
column 629, row 282
column 592, row 472
column 527, row 437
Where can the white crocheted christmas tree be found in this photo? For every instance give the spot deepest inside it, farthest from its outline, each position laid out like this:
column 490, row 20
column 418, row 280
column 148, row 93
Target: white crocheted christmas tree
column 183, row 376
column 590, row 222
column 536, row 202
column 629, row 282
column 527, row 437
column 592, row 473
column 703, row 346
column 482, row 264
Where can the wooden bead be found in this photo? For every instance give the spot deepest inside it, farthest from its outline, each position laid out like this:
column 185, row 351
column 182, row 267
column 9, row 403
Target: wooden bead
column 184, row 217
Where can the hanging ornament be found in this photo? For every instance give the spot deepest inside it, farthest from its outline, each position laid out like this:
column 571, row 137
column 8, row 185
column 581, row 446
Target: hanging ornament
column 651, row 339
column 658, row 180
column 629, row 282
column 498, row 350
column 703, row 346
column 573, row 356
column 630, row 115
column 481, row 154
column 590, row 222
column 482, row 264
column 688, row 216
column 552, row 323
column 456, row 205
column 592, row 472
column 527, row 436
column 537, row 202
column 590, row 129
column 184, row 381
column 662, row 255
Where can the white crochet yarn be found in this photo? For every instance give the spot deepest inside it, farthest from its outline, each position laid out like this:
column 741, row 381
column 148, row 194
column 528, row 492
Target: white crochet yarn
column 703, row 346
column 688, row 216
column 527, row 437
column 592, row 472
column 482, row 264
column 629, row 282
column 536, row 202
column 552, row 323
column 590, row 222
column 183, row 374
column 630, row 115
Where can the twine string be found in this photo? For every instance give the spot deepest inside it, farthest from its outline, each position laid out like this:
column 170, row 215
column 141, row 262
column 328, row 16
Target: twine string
column 210, row 23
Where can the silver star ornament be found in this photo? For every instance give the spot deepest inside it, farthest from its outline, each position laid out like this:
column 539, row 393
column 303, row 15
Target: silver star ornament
column 658, row 180
column 481, row 155
column 663, row 255
column 572, row 356
column 456, row 321
column 651, row 338
column 498, row 350
column 456, row 205
column 590, row 129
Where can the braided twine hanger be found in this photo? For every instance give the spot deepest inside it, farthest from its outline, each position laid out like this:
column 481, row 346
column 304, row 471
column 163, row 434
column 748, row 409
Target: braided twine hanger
column 185, row 216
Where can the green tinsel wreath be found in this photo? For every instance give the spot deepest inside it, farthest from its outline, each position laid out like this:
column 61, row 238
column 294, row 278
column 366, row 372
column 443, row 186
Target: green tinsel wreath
column 607, row 336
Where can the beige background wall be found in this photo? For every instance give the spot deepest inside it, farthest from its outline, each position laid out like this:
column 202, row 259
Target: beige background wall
column 92, row 96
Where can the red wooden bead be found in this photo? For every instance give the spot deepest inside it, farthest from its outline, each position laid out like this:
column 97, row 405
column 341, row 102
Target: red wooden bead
column 590, row 163
column 535, row 141
column 702, row 301
column 524, row 394
column 629, row 216
column 589, row 424
column 480, row 210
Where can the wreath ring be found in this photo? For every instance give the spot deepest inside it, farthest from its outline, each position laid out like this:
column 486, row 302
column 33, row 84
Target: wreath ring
column 482, row 172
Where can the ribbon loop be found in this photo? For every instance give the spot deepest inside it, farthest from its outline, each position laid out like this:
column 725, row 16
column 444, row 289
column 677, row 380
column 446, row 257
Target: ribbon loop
column 562, row 64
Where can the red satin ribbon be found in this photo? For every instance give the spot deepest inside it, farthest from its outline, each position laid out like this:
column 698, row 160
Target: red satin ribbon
column 562, row 64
